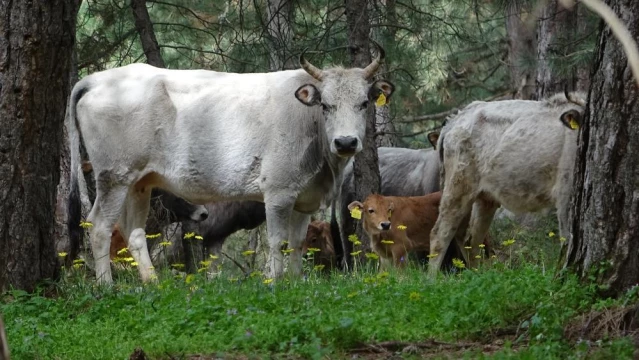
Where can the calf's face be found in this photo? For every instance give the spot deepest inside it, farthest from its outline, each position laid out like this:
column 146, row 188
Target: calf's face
column 376, row 213
column 319, row 236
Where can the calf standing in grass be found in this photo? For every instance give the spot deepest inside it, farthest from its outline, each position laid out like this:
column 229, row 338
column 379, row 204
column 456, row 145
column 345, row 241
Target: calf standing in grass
column 319, row 237
column 397, row 225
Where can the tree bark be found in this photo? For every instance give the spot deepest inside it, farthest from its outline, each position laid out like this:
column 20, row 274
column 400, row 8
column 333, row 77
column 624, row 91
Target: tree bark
column 144, row 26
column 365, row 169
column 278, row 23
column 383, row 123
column 605, row 203
column 521, row 50
column 36, row 44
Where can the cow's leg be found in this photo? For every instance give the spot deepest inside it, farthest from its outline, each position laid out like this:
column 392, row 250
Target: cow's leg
column 399, row 258
column 481, row 218
column 297, row 233
column 109, row 200
column 452, row 211
column 278, row 216
column 132, row 223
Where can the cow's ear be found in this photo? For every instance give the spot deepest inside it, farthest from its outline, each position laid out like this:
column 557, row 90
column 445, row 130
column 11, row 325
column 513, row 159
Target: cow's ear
column 379, row 88
column 355, row 204
column 391, row 206
column 308, row 95
column 571, row 119
column 432, row 138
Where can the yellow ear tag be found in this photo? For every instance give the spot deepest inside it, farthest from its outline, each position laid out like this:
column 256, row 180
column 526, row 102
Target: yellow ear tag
column 573, row 124
column 356, row 213
column 381, row 100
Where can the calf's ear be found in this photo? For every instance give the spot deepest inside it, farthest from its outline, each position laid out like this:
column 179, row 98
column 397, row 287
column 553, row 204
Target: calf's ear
column 379, row 88
column 355, row 204
column 571, row 119
column 308, row 95
column 432, row 138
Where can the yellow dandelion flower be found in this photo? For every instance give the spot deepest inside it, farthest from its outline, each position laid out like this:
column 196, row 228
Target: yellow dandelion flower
column 189, row 235
column 248, row 252
column 165, row 243
column 430, row 256
column 287, row 251
column 202, row 269
column 481, row 246
column 284, row 242
column 353, row 294
column 352, row 238
column 355, row 253
column 388, row 242
column 508, row 242
column 551, row 234
column 178, row 266
column 318, row 267
column 468, row 247
column 129, row 259
column 477, row 256
column 213, row 256
column 78, row 261
column 401, row 227
column 189, row 278
column 205, row 262
column 85, row 224
column 77, row 266
column 267, row 281
column 255, row 273
column 356, row 243
column 134, row 263
column 198, row 237
column 153, row 236
column 562, row 239
column 371, row 255
column 62, row 254
column 458, row 263
column 312, row 250
column 123, row 251
column 414, row 296
column 356, row 213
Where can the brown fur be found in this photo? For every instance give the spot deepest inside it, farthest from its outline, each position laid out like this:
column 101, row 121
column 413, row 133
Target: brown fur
column 417, row 213
column 117, row 244
column 319, row 236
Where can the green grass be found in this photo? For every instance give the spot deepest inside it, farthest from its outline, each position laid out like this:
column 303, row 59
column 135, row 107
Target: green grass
column 314, row 318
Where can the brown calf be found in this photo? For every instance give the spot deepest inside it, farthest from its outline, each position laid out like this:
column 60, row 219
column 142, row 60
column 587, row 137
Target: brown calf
column 384, row 219
column 319, row 237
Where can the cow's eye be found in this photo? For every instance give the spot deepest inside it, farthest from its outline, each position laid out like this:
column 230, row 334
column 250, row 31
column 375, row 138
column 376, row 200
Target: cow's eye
column 370, row 211
column 364, row 105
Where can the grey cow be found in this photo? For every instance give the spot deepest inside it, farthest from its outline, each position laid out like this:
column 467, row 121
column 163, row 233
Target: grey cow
column 514, row 153
column 283, row 138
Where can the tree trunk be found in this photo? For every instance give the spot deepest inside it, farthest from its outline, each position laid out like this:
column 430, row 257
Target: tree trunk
column 144, row 26
column 604, row 220
column 521, row 50
column 383, row 124
column 365, row 169
column 36, row 44
column 278, row 23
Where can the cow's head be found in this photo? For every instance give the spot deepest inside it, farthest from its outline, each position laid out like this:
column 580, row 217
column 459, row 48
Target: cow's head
column 345, row 95
column 174, row 208
column 376, row 213
column 319, row 236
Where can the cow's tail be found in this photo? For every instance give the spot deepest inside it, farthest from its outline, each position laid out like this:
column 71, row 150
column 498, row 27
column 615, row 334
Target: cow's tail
column 74, row 205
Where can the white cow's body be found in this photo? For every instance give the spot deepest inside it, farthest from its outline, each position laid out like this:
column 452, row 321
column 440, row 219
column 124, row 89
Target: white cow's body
column 513, row 153
column 208, row 136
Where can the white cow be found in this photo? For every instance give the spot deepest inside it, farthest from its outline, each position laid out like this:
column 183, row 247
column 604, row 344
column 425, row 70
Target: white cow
column 208, row 136
column 515, row 153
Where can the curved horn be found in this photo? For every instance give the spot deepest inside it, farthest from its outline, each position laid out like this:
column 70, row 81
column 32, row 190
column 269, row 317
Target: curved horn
column 370, row 70
column 310, row 68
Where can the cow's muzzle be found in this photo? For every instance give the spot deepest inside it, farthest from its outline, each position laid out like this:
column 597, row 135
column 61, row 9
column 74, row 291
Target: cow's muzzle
column 200, row 214
column 385, row 225
column 346, row 145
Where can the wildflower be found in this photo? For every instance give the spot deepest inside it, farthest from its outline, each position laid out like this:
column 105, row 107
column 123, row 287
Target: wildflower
column 551, row 234
column 134, row 263
column 77, row 266
column 353, row 294
column 355, row 253
column 153, row 236
column 213, row 256
column 62, row 254
column 128, row 259
column 122, row 251
column 202, row 269
column 414, row 296
column 477, row 256
column 267, row 281
column 352, row 238
column 318, row 267
column 178, row 266
column 189, row 235
column 285, row 242
column 312, row 250
column 205, row 262
column 356, row 213
column 78, row 261
column 287, row 251
column 481, row 246
column 248, row 252
column 401, row 227
column 494, row 257
column 189, row 278
column 372, row 256
column 430, row 256
column 562, row 239
column 468, row 247
column 198, row 237
column 356, row 243
column 165, row 243
column 508, row 242
column 458, row 263
column 255, row 273
column 388, row 242
column 85, row 224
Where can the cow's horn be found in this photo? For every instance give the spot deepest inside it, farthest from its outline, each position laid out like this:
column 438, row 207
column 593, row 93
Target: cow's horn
column 371, row 69
column 310, row 68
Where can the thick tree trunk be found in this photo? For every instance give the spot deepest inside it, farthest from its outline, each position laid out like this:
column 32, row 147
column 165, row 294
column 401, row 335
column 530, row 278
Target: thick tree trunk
column 36, row 43
column 521, row 50
column 365, row 169
column 278, row 23
column 383, row 124
column 144, row 26
column 604, row 216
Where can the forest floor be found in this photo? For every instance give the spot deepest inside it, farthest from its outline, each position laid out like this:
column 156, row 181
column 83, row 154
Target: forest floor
column 517, row 307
